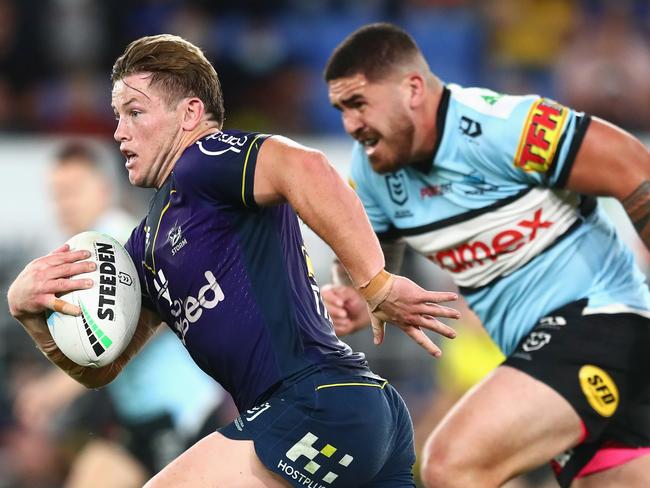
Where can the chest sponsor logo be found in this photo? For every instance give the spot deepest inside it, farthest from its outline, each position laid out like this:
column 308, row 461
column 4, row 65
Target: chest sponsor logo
column 535, row 341
column 397, row 191
column 480, row 253
column 188, row 310
column 541, row 135
column 599, row 389
column 470, row 127
column 305, row 451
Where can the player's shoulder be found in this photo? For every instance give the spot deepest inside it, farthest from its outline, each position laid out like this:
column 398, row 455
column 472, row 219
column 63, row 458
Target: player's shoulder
column 223, row 146
column 219, row 166
column 487, row 103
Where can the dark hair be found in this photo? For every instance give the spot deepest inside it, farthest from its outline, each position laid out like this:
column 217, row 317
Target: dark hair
column 178, row 66
column 77, row 150
column 372, row 50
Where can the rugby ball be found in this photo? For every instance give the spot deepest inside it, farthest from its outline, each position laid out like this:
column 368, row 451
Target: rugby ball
column 109, row 310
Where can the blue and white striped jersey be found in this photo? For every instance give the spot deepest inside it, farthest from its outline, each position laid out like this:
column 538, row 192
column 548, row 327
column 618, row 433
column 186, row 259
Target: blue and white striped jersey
column 492, row 210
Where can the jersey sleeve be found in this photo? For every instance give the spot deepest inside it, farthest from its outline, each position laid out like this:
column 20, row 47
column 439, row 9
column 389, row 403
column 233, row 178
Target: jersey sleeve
column 361, row 180
column 135, row 247
column 222, row 168
column 536, row 144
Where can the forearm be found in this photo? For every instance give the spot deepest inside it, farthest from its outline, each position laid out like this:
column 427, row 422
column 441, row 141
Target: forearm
column 637, row 206
column 393, row 255
column 36, row 327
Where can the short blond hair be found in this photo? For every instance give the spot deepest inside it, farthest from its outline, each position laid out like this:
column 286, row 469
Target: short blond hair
column 177, row 66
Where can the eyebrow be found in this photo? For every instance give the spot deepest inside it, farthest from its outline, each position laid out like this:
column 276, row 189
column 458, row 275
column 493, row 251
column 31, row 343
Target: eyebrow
column 348, row 101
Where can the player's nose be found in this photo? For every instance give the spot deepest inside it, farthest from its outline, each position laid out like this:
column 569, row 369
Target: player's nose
column 120, row 133
column 352, row 123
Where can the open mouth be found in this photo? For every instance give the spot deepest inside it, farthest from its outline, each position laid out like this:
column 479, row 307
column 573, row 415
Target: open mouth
column 130, row 157
column 369, row 142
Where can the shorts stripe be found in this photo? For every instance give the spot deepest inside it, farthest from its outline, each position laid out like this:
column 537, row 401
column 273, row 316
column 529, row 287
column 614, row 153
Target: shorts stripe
column 333, row 385
column 610, row 456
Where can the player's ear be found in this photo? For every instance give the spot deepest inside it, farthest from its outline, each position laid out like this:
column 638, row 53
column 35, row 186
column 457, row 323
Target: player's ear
column 415, row 89
column 193, row 111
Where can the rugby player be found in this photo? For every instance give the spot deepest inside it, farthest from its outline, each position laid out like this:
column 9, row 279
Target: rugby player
column 500, row 191
column 236, row 285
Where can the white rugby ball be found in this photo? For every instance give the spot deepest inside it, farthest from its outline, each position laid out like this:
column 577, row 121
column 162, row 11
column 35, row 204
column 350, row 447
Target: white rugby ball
column 109, row 310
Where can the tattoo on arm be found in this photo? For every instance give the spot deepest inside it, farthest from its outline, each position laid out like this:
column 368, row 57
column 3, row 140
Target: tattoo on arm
column 637, row 206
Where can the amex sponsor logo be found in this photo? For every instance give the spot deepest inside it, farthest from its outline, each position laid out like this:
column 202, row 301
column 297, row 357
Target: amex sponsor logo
column 480, row 253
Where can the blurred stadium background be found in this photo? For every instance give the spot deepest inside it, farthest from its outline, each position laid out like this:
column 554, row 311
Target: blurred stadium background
column 55, row 60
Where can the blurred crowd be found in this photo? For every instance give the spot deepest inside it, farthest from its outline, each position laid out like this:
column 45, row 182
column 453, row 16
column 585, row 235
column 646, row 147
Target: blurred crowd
column 55, row 55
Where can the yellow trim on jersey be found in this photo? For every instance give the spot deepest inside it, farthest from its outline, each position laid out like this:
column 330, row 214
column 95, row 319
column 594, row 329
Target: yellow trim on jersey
column 155, row 237
column 333, row 385
column 243, row 175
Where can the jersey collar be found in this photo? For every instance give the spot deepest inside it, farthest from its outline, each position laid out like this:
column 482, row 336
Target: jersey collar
column 441, row 117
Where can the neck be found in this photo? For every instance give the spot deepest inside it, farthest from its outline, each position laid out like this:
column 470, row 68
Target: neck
column 185, row 140
column 426, row 126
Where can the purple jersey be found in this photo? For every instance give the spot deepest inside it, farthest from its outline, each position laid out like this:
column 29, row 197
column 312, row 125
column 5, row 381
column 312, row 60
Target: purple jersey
column 233, row 279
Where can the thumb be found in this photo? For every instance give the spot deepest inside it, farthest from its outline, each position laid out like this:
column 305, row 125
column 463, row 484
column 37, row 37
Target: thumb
column 378, row 329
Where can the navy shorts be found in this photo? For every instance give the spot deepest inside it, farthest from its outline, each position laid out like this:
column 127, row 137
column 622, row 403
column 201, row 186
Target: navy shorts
column 332, row 430
column 599, row 364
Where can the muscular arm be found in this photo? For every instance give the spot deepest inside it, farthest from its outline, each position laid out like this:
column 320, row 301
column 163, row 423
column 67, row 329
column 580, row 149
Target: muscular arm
column 286, row 171
column 35, row 291
column 36, row 327
column 613, row 163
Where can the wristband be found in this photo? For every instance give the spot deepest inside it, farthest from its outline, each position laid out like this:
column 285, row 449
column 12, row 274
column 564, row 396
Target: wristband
column 377, row 289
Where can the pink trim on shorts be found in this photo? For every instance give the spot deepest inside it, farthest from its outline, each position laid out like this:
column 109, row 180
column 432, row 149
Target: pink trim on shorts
column 584, row 434
column 609, row 456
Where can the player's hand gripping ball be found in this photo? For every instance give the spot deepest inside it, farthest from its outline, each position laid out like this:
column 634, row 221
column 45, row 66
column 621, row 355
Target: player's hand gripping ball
column 109, row 310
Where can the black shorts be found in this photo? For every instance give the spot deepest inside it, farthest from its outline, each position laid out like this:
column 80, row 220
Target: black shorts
column 600, row 364
column 332, row 431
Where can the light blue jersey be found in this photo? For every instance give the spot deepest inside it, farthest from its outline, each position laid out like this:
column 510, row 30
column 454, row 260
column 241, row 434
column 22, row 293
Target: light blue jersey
column 491, row 210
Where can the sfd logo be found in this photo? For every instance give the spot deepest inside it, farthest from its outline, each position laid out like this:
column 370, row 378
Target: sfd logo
column 599, row 389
